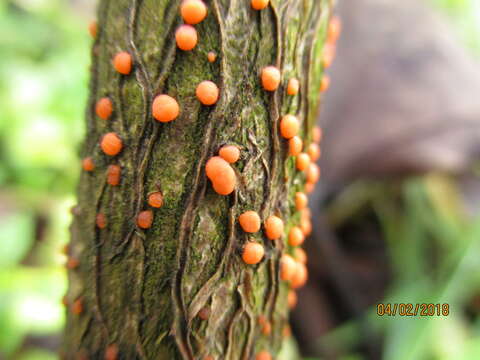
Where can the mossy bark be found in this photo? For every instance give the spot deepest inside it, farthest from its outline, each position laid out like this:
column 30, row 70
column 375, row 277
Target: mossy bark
column 142, row 289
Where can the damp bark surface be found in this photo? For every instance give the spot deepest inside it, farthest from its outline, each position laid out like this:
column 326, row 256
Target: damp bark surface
column 142, row 290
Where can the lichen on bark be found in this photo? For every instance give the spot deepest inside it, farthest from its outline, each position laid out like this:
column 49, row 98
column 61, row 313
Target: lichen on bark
column 142, row 290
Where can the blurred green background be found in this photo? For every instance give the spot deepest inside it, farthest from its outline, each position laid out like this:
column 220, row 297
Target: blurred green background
column 45, row 47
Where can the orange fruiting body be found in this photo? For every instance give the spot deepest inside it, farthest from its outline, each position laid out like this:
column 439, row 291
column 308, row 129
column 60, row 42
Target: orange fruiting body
column 207, row 92
column 229, row 153
column 145, row 219
column 111, row 353
column 328, row 55
column 300, row 277
column 267, row 328
column 122, row 62
column 287, row 267
column 193, row 11
column 300, row 255
column 302, row 162
column 259, row 4
column 88, row 164
column 313, row 173
column 249, row 221
column 263, row 355
column 113, row 175
column 253, row 253
column 293, row 86
column 204, row 313
column 186, row 37
column 314, row 151
column 306, row 226
column 286, row 331
column 211, row 56
column 93, row 29
column 165, row 108
column 317, row 134
column 295, row 145
column 77, row 307
column 309, row 187
column 334, row 30
column 104, row 108
column 262, row 320
column 325, row 83
column 100, row 221
column 301, row 201
column 292, row 299
column 273, row 227
column 270, row 78
column 111, row 144
column 155, row 199
column 296, row 236
column 289, row 126
column 72, row 263
column 221, row 175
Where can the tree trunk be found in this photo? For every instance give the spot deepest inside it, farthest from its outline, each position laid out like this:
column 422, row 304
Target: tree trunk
column 140, row 291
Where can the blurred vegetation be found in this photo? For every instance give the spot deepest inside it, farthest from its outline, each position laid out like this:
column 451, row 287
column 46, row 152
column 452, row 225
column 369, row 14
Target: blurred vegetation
column 43, row 87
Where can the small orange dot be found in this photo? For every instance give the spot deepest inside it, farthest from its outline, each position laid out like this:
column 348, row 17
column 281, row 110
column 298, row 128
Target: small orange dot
column 145, row 219
column 295, row 145
column 306, row 226
column 186, row 37
column 249, row 221
column 211, row 56
column 273, row 227
column 122, row 62
column 111, row 144
column 111, row 353
column 302, row 162
column 300, row 255
column 329, row 52
column 263, row 355
column 229, row 153
column 314, row 151
column 267, row 328
column 270, row 78
column 155, row 199
column 301, row 201
column 313, row 173
column 165, row 108
column 334, row 30
column 113, row 175
column 104, row 108
column 77, row 307
column 262, row 320
column 101, row 221
column 88, row 164
column 286, row 332
column 209, row 357
column 259, row 4
column 193, row 11
column 293, row 86
column 221, row 175
column 292, row 299
column 296, row 236
column 204, row 313
column 300, row 277
column 309, row 187
column 93, row 29
column 253, row 253
column 287, row 267
column 72, row 263
column 317, row 134
column 207, row 92
column 325, row 83
column 289, row 126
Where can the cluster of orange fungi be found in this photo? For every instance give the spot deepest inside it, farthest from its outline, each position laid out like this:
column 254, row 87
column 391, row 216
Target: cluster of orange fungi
column 219, row 168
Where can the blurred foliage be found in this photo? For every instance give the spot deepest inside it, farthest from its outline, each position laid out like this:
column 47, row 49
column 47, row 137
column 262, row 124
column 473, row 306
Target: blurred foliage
column 43, row 89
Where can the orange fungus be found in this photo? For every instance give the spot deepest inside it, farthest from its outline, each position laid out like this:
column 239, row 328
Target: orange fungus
column 301, row 201
column 300, row 277
column 289, row 126
column 104, row 108
column 186, row 37
column 259, row 4
column 295, row 145
column 302, row 162
column 230, row 153
column 253, row 253
column 292, row 299
column 287, row 267
column 111, row 353
column 293, row 86
column 207, row 92
column 317, row 134
column 111, row 144
column 93, row 29
column 100, row 221
column 165, row 108
column 88, row 164
column 263, row 355
column 325, row 83
column 122, row 62
column 314, row 151
column 211, row 56
column 113, row 175
column 77, row 307
column 313, row 173
column 72, row 263
column 145, row 219
column 221, row 175
column 300, row 255
column 296, row 236
column 334, row 30
column 193, row 11
column 273, row 227
column 155, row 199
column 270, row 78
column 249, row 221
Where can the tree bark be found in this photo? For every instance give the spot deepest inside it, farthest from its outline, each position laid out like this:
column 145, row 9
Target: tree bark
column 141, row 291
